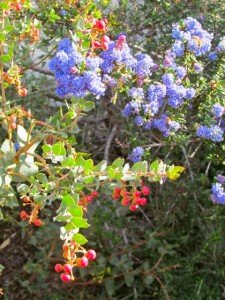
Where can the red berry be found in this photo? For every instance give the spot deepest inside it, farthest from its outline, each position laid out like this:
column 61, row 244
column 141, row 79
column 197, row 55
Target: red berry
column 37, row 222
column 58, row 268
column 123, row 193
column 67, row 268
column 22, row 92
column 137, row 200
column 26, row 199
column 96, row 44
column 89, row 198
column 65, row 277
column 136, row 193
column 115, row 196
column 82, row 262
column 133, row 207
column 94, row 194
column 105, row 38
column 117, row 190
column 13, row 126
column 100, row 25
column 105, row 46
column 143, row 201
column 18, row 7
column 91, row 254
column 23, row 215
column 125, row 201
column 145, row 190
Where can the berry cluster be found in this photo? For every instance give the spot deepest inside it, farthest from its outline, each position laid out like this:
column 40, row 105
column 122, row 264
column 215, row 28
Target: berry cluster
column 86, row 199
column 12, row 77
column 32, row 34
column 71, row 250
column 33, row 216
column 131, row 197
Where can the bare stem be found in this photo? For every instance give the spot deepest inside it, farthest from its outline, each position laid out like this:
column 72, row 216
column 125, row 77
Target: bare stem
column 1, row 64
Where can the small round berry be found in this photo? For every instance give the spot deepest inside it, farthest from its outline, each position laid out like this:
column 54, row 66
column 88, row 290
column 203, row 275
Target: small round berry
column 37, row 222
column 143, row 201
column 125, row 201
column 136, row 193
column 89, row 198
column 65, row 277
column 105, row 38
column 133, row 207
column 94, row 194
column 58, row 268
column 22, row 92
column 23, row 215
column 18, row 7
column 13, row 126
column 26, row 199
column 96, row 44
column 91, row 254
column 100, row 25
column 82, row 262
column 115, row 196
column 123, row 193
column 105, row 46
column 145, row 190
column 67, row 268
column 137, row 200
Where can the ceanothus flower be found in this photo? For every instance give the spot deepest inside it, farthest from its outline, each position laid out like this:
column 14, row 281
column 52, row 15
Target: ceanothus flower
column 218, row 195
column 217, row 110
column 136, row 154
column 213, row 133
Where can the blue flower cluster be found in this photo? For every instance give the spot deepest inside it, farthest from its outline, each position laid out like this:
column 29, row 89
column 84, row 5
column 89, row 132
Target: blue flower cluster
column 213, row 133
column 136, row 154
column 218, row 193
column 70, row 75
column 151, row 103
column 189, row 35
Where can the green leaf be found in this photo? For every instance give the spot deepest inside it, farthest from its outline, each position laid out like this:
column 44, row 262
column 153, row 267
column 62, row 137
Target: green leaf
column 88, row 105
column 68, row 162
column 174, row 172
column 154, row 166
column 148, row 279
column 77, row 223
column 59, row 149
column 111, row 172
column 110, row 286
column 79, row 239
column 22, row 136
column 101, row 166
column 140, row 166
column 7, row 147
column 129, row 279
column 80, row 162
column 1, row 218
column 118, row 163
column 4, row 5
column 76, row 211
column 68, row 200
column 47, row 148
column 5, row 58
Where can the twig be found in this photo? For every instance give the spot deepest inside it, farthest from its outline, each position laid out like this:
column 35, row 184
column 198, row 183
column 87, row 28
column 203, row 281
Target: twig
column 109, row 141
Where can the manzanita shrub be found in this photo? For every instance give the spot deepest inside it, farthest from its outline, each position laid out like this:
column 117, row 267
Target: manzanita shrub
column 40, row 165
